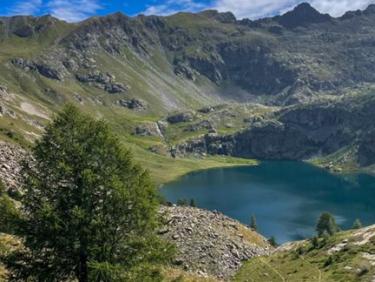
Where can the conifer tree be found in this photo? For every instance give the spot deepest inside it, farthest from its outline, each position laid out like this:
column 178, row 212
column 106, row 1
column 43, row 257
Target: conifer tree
column 89, row 213
column 253, row 223
column 357, row 224
column 326, row 225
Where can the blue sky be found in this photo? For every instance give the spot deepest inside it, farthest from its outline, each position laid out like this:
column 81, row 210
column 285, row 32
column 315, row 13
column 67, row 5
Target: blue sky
column 77, row 10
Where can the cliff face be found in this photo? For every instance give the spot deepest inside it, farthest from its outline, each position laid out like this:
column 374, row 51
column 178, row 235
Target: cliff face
column 300, row 133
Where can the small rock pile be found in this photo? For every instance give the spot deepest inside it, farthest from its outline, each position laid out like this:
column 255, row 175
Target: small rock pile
column 209, row 243
column 10, row 159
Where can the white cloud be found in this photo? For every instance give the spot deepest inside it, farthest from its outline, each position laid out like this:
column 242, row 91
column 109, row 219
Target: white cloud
column 339, row 7
column 253, row 9
column 173, row 6
column 72, row 10
column 69, row 10
column 256, row 8
column 77, row 10
column 262, row 8
column 26, row 8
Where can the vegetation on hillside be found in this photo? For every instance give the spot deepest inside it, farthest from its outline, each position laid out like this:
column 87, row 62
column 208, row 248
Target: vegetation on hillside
column 88, row 212
column 332, row 256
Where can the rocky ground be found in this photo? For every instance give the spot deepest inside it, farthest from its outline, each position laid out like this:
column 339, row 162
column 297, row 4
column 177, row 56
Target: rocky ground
column 10, row 158
column 210, row 243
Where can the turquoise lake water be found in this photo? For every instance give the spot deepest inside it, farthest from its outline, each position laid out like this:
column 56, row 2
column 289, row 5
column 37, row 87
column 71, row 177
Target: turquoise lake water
column 286, row 197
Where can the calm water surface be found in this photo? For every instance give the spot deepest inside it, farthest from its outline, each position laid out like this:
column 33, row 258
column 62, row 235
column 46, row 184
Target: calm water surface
column 286, row 197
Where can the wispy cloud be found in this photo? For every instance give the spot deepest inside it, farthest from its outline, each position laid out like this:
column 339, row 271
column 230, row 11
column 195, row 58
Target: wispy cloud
column 26, row 8
column 256, row 8
column 253, row 9
column 77, row 10
column 338, row 8
column 73, row 10
column 69, row 10
column 173, row 6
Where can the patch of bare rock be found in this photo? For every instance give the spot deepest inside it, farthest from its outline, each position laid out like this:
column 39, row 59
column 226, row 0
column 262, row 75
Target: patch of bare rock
column 210, row 243
column 10, row 159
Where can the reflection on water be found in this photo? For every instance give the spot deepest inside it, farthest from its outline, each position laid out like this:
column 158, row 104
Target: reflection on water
column 286, row 197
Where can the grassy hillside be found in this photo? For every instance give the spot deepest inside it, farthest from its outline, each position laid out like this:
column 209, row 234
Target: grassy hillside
column 346, row 256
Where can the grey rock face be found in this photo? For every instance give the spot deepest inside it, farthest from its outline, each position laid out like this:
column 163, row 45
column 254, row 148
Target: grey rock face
column 43, row 69
column 298, row 133
column 133, row 104
column 366, row 150
column 102, row 81
column 302, row 15
column 24, row 31
column 184, row 70
column 209, row 242
column 205, row 124
column 10, row 168
column 180, row 117
column 148, row 129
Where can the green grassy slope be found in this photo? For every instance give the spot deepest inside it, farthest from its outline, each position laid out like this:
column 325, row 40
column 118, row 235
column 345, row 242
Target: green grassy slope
column 347, row 256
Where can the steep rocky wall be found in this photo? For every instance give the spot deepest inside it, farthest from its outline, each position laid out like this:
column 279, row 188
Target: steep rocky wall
column 298, row 133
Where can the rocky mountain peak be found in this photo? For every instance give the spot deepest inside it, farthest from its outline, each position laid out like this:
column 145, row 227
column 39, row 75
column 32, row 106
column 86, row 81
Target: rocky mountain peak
column 302, row 15
column 305, row 8
column 370, row 9
column 26, row 26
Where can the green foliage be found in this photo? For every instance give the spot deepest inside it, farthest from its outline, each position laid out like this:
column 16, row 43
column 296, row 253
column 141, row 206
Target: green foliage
column 192, row 203
column 357, row 224
column 9, row 214
column 273, row 242
column 106, row 272
column 315, row 242
column 326, row 225
column 329, row 261
column 89, row 213
column 2, row 187
column 186, row 203
column 253, row 223
column 182, row 202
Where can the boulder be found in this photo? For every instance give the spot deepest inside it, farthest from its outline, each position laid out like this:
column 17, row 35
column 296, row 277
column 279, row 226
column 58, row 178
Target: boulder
column 148, row 129
column 180, row 117
column 41, row 68
column 133, row 104
column 104, row 81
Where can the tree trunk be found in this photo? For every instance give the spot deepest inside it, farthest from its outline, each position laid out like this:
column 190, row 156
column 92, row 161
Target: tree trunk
column 83, row 268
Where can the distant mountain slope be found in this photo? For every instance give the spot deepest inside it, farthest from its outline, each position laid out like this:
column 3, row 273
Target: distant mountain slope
column 189, row 59
column 135, row 71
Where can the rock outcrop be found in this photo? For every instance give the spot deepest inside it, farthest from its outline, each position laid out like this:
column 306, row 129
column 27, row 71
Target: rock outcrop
column 180, row 117
column 148, row 129
column 210, row 243
column 133, row 104
column 41, row 68
column 104, row 81
column 11, row 157
column 297, row 133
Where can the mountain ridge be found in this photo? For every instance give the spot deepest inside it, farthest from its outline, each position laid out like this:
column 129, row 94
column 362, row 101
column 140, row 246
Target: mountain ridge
column 136, row 71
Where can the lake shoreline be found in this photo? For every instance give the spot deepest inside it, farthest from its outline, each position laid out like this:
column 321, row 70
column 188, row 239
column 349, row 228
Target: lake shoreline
column 287, row 192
